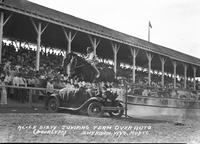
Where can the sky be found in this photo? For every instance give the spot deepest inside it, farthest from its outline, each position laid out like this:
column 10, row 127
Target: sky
column 175, row 23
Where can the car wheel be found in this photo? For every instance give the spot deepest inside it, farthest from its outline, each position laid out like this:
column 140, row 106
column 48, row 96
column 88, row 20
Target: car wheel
column 53, row 105
column 117, row 113
column 94, row 109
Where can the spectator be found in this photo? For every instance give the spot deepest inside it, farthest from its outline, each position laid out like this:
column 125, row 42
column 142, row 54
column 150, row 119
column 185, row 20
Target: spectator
column 50, row 87
column 49, row 91
column 3, row 92
column 16, row 83
column 145, row 92
column 7, row 66
column 22, row 92
column 8, row 81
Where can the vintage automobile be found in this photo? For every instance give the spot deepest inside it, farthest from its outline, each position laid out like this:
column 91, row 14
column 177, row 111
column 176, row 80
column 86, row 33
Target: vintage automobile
column 88, row 100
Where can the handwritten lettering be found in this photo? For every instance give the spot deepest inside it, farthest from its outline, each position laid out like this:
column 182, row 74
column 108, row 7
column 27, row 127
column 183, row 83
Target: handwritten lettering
column 49, row 132
column 65, row 127
column 102, row 127
column 117, row 130
column 24, row 127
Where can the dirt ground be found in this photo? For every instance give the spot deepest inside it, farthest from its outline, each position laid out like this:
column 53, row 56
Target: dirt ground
column 39, row 126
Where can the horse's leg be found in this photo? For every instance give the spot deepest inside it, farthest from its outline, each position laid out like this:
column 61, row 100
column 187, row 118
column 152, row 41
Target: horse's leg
column 80, row 76
column 88, row 74
column 79, row 73
column 96, row 71
column 93, row 76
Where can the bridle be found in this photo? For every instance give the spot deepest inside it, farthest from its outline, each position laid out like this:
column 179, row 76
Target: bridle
column 74, row 62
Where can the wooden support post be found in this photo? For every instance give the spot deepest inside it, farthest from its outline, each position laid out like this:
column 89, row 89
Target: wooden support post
column 174, row 65
column 194, row 76
column 185, row 75
column 163, row 60
column 2, row 23
column 115, row 48
column 70, row 37
column 134, row 53
column 95, row 43
column 39, row 32
column 38, row 47
column 30, row 97
column 1, row 35
column 126, row 100
column 149, row 57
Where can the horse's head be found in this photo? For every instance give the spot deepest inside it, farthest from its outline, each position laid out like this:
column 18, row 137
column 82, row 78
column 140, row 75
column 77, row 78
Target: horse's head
column 74, row 59
column 69, row 58
column 79, row 67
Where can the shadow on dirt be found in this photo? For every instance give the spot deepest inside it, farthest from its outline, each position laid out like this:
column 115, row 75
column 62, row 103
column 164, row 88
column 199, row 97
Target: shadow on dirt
column 143, row 120
column 129, row 118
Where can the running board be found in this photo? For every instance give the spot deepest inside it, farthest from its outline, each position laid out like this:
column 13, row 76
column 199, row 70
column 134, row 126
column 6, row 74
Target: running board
column 102, row 108
column 72, row 109
column 111, row 108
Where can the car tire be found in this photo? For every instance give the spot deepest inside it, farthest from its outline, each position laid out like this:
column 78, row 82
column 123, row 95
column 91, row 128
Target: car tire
column 94, row 109
column 117, row 113
column 53, row 105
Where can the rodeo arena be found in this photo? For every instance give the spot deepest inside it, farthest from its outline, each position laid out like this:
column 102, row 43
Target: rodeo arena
column 51, row 62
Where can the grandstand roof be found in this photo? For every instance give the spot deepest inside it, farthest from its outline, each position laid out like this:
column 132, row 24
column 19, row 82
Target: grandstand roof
column 27, row 8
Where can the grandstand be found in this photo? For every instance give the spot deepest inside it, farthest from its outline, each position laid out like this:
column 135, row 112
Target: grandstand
column 34, row 34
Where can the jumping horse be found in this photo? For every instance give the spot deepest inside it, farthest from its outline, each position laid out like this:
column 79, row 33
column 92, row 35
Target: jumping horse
column 85, row 71
column 79, row 67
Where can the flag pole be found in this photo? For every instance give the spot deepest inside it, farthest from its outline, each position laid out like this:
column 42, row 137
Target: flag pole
column 148, row 33
column 149, row 26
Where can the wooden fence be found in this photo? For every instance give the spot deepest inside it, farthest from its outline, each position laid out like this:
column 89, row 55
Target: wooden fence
column 127, row 96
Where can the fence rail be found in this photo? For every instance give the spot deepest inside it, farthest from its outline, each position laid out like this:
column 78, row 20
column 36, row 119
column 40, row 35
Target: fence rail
column 30, row 91
column 126, row 96
column 135, row 86
column 28, row 88
column 185, row 100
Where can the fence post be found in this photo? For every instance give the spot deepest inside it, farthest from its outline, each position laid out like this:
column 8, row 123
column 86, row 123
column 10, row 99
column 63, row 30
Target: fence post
column 30, row 97
column 126, row 100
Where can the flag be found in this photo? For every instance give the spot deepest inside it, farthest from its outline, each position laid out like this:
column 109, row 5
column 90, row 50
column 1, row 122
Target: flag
column 150, row 24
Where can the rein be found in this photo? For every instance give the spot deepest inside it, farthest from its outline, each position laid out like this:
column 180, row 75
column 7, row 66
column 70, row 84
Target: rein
column 74, row 60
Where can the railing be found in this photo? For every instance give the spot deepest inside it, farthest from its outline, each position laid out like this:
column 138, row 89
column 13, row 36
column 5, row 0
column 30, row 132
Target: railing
column 29, row 89
column 126, row 96
column 134, row 86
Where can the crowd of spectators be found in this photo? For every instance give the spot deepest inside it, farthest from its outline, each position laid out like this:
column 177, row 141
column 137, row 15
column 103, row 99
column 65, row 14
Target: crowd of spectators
column 142, row 79
column 18, row 69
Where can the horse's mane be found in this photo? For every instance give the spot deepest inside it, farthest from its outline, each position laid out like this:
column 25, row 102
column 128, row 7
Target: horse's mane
column 78, row 57
column 74, row 54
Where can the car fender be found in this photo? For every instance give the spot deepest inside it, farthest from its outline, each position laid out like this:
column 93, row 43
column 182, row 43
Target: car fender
column 86, row 103
column 119, row 101
column 99, row 99
column 93, row 99
column 54, row 96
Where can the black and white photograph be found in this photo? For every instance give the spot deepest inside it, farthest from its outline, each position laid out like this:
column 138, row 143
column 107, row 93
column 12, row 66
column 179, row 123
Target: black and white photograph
column 100, row 71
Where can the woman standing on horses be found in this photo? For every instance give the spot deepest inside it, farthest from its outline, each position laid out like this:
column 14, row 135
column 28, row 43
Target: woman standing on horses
column 91, row 59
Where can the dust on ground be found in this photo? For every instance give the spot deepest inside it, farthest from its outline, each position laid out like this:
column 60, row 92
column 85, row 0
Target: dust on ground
column 25, row 127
